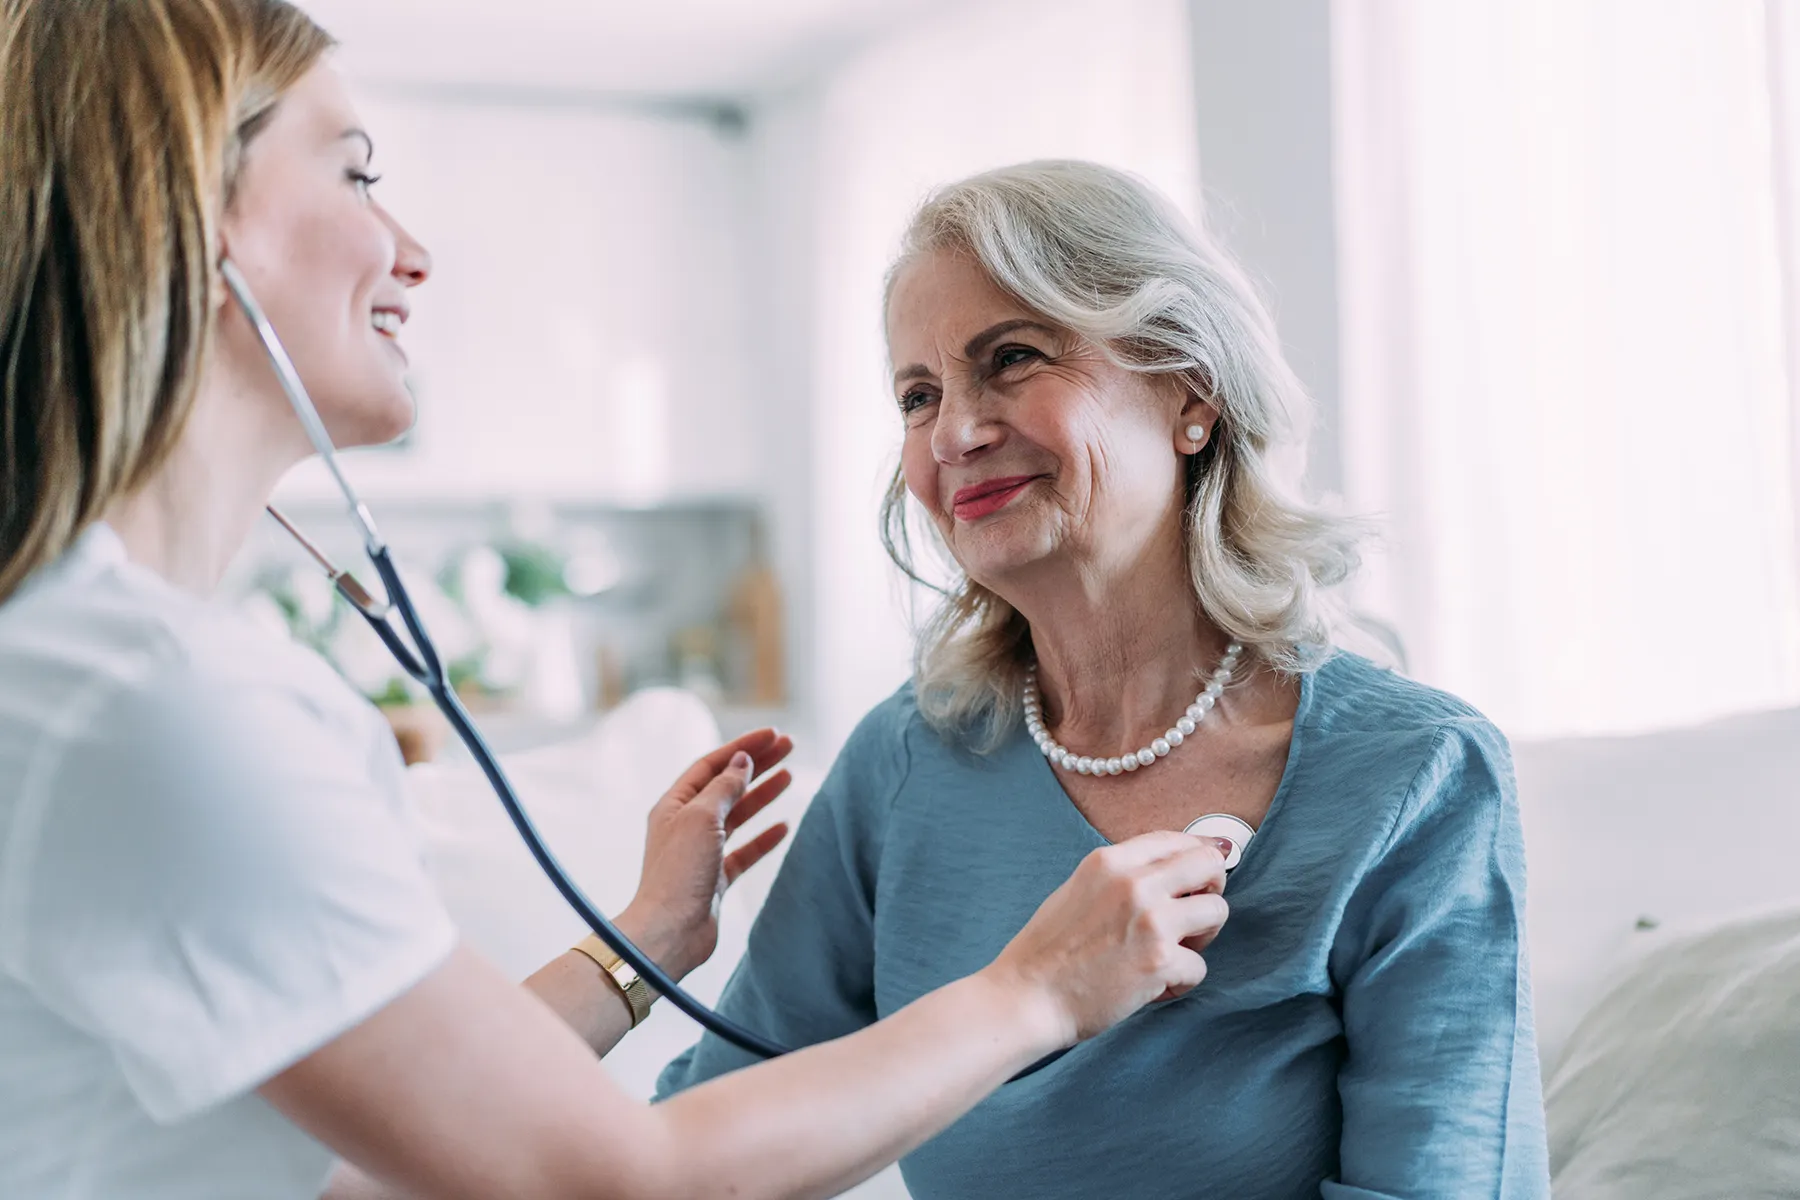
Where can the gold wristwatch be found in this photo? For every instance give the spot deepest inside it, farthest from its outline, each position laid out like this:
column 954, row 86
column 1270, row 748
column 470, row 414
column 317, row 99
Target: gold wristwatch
column 631, row 985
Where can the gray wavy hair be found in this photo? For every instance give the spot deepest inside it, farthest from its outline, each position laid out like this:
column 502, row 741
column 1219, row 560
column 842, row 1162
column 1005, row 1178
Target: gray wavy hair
column 1099, row 252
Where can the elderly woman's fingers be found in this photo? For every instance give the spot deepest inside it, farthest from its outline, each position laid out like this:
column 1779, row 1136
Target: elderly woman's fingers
column 1200, row 868
column 1189, row 972
column 1199, row 919
column 1146, row 848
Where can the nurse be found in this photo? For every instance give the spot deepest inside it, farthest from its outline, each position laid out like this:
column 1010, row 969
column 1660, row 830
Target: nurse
column 222, row 967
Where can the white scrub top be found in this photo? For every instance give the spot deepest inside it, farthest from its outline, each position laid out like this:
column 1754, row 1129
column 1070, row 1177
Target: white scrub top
column 206, row 872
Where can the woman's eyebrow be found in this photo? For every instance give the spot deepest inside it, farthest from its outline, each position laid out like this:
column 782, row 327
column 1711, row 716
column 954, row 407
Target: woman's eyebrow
column 977, row 344
column 368, row 142
column 993, row 333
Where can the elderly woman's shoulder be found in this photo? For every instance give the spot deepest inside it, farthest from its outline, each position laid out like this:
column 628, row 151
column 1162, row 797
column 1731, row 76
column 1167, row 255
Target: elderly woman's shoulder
column 1400, row 718
column 896, row 739
column 873, row 765
column 889, row 719
column 1406, row 737
column 1351, row 689
column 880, row 738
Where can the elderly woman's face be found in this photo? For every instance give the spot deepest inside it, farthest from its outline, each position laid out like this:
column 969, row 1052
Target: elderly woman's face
column 1024, row 442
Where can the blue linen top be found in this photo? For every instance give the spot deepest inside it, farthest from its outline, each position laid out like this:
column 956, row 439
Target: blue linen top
column 1364, row 1029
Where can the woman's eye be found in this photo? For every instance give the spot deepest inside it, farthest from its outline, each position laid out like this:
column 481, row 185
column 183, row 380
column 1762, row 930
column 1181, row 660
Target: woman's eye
column 1012, row 356
column 913, row 401
column 363, row 180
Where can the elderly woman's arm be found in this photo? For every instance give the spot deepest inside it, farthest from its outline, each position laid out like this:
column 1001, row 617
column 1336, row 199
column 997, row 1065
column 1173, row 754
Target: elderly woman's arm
column 1440, row 1088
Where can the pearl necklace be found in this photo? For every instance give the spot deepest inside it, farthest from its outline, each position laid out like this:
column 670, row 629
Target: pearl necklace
column 1177, row 733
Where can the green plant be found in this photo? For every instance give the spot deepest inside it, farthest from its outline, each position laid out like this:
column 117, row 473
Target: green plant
column 534, row 573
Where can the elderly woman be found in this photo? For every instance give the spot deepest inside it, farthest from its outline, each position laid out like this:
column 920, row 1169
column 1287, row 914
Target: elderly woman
column 1139, row 634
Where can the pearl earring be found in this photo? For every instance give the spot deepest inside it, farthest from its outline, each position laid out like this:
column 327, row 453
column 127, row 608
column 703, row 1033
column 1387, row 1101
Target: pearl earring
column 1197, row 435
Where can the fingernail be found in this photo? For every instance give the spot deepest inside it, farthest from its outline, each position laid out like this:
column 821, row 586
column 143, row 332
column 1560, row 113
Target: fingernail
column 1225, row 845
column 740, row 761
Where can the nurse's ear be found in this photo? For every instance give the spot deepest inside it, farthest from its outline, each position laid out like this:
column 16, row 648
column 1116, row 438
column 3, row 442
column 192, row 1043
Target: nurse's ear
column 219, row 292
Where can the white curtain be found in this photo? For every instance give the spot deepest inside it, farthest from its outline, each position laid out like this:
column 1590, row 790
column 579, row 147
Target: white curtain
column 1568, row 265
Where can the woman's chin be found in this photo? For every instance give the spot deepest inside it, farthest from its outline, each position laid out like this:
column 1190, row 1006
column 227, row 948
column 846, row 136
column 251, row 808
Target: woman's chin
column 374, row 425
column 400, row 421
column 988, row 560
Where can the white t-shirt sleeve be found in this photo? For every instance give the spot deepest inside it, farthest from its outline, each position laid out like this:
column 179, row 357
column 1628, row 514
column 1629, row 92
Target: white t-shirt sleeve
column 216, row 878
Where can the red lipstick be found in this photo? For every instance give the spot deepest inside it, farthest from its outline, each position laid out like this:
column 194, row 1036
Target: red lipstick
column 983, row 499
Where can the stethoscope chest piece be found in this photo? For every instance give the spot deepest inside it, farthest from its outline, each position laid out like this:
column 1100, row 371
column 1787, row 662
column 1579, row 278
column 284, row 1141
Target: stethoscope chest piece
column 1224, row 825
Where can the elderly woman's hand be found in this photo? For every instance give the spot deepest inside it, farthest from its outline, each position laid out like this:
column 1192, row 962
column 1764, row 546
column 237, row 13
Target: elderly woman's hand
column 674, row 915
column 1125, row 930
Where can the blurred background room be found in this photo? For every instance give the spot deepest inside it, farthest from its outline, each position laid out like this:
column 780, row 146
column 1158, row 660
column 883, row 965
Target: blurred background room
column 1538, row 262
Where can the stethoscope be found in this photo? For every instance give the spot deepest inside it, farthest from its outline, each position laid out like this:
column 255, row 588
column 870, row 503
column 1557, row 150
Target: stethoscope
column 420, row 661
column 1229, row 829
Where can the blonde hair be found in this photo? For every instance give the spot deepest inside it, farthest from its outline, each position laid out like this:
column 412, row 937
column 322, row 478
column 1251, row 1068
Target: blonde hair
column 1099, row 252
column 122, row 127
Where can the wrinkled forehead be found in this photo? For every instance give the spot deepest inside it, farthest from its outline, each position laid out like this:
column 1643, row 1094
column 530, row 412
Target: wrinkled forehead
column 938, row 300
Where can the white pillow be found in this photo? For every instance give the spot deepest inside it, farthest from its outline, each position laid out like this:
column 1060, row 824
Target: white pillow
column 1684, row 1081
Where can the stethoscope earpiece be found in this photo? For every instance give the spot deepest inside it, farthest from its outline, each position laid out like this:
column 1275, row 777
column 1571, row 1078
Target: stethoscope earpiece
column 1228, row 827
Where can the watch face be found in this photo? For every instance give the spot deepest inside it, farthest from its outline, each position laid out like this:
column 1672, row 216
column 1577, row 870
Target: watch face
column 1224, row 825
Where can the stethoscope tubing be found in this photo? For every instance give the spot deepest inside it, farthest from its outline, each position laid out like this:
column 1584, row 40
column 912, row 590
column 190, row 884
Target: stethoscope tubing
column 430, row 674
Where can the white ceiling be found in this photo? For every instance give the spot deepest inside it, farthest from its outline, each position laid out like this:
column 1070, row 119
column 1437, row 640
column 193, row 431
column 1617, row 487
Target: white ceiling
column 690, row 49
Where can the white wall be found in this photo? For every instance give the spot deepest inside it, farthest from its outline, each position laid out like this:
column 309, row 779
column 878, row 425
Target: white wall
column 586, row 334
column 1263, row 95
column 782, row 209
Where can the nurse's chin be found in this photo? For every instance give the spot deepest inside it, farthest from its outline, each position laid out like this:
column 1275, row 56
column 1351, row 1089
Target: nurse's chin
column 377, row 425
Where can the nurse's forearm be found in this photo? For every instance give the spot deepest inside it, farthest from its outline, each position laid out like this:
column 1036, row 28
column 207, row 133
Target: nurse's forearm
column 835, row 1114
column 830, row 1115
column 579, row 992
column 584, row 996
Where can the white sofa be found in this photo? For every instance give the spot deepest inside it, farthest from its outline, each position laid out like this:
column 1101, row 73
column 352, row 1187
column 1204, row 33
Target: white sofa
column 1679, row 828
column 1623, row 834
column 1663, row 912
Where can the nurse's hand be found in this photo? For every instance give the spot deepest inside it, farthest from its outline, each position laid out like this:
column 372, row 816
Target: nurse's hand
column 1125, row 930
column 675, row 914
